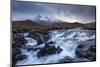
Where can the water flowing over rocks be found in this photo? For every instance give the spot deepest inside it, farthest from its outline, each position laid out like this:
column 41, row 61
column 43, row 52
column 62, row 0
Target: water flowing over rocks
column 54, row 46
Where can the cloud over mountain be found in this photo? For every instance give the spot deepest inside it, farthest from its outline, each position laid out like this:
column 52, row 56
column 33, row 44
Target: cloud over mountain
column 71, row 13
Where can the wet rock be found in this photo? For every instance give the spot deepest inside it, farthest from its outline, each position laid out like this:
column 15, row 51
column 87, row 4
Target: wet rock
column 78, row 59
column 18, row 43
column 31, row 48
column 93, row 48
column 51, row 42
column 92, row 53
column 48, row 50
column 36, row 37
column 87, row 50
column 31, row 34
column 18, row 40
column 17, row 57
column 81, row 53
column 66, row 59
column 20, row 57
column 59, row 49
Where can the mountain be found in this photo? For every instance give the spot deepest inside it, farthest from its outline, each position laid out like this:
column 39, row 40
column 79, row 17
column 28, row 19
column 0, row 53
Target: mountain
column 34, row 26
column 44, row 20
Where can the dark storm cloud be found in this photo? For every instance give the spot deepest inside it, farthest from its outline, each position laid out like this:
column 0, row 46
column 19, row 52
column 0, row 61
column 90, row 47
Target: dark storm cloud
column 79, row 13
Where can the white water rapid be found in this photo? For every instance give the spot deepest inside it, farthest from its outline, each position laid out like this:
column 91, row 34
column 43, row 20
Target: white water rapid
column 67, row 40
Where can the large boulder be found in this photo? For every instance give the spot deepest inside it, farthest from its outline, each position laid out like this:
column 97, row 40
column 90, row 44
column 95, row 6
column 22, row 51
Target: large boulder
column 87, row 50
column 48, row 50
column 36, row 37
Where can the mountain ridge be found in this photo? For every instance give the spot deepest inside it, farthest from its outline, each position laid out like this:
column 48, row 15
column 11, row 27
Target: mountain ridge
column 34, row 26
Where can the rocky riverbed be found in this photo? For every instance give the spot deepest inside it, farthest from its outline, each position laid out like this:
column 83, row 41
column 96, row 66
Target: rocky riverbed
column 53, row 46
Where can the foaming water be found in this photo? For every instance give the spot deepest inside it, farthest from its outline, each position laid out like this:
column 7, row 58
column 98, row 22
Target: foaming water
column 67, row 40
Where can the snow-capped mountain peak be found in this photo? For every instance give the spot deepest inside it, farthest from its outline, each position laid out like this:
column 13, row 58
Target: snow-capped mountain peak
column 45, row 19
column 41, row 18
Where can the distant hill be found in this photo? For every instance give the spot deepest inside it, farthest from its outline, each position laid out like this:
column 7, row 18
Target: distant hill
column 91, row 26
column 33, row 26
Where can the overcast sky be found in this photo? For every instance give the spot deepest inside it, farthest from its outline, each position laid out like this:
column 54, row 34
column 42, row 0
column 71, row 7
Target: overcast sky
column 69, row 13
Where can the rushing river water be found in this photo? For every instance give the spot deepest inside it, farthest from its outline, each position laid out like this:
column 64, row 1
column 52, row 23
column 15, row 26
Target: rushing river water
column 64, row 43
